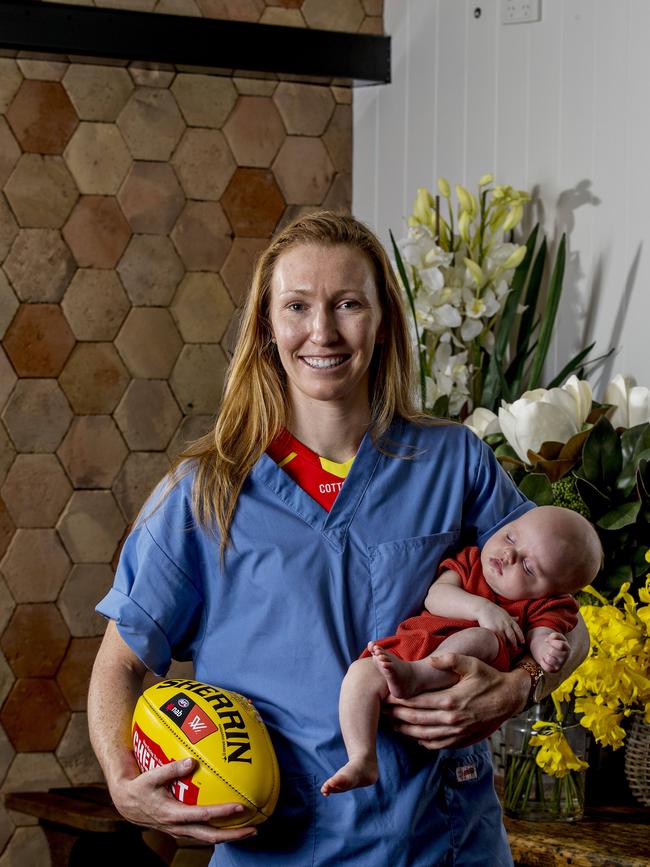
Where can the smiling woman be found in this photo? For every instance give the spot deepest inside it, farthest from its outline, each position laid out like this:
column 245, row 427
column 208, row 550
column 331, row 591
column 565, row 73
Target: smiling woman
column 311, row 521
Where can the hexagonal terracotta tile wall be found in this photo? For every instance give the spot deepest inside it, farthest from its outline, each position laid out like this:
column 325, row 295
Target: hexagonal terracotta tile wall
column 133, row 204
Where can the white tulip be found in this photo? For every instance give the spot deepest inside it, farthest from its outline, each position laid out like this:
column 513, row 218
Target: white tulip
column 483, row 422
column 544, row 415
column 631, row 401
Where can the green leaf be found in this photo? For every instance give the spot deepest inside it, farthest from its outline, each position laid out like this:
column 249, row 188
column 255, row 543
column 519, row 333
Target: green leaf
column 411, row 300
column 548, row 320
column 620, row 517
column 527, row 326
column 537, row 488
column 643, row 480
column 440, row 408
column 493, row 384
column 634, row 442
column 571, row 367
column 601, row 455
column 596, row 501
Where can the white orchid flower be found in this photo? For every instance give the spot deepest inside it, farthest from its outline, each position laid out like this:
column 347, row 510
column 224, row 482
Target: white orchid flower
column 631, row 401
column 420, row 250
column 543, row 415
column 483, row 422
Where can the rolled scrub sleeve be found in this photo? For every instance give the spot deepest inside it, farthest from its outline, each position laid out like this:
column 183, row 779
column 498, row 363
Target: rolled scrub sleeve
column 156, row 599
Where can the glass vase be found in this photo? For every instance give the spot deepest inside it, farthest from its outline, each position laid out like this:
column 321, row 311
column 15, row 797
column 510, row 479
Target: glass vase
column 528, row 791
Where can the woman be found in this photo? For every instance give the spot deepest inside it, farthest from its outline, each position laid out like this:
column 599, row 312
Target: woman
column 237, row 567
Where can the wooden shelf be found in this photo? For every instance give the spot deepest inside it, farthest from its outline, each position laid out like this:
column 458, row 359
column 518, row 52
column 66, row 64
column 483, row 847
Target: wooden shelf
column 205, row 44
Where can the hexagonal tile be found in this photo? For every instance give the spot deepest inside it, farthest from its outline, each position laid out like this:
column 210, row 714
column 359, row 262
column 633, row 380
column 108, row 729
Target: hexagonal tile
column 235, row 10
column 135, row 5
column 7, row 754
column 37, row 415
column 373, row 25
column 7, row 677
column 9, row 151
column 140, row 474
column 282, row 17
column 97, row 232
column 44, row 67
column 75, row 753
column 255, row 131
column 29, row 474
column 202, row 308
column 197, row 379
column 305, row 108
column 7, row 378
column 191, row 428
column 98, row 158
column 40, row 265
column 178, row 7
column 204, row 100
column 36, row 565
column 35, row 640
column 10, row 80
column 35, row 715
column 7, row 530
column 41, row 191
column 39, row 340
column 147, row 415
column 304, row 170
column 7, row 455
column 339, row 196
column 202, row 236
column 204, row 163
column 93, row 451
column 74, row 674
column 94, row 379
column 151, row 197
column 338, row 138
column 253, row 203
column 373, row 7
column 91, row 526
column 95, row 304
column 8, row 304
column 254, row 86
column 97, row 92
column 237, row 271
column 344, row 15
column 42, row 117
column 33, row 772
column 151, row 74
column 86, row 585
column 151, row 124
column 8, row 227
column 149, row 342
column 342, row 95
column 150, row 270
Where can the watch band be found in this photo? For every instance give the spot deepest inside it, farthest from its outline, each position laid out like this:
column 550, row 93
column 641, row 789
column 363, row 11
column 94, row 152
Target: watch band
column 536, row 673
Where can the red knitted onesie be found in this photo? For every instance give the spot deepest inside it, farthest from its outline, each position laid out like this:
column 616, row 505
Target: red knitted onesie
column 419, row 636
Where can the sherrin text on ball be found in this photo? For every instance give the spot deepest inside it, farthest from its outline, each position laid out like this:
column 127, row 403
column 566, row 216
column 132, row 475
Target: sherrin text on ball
column 222, row 731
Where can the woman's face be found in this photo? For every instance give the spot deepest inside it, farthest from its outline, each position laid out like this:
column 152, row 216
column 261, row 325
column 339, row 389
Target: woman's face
column 326, row 320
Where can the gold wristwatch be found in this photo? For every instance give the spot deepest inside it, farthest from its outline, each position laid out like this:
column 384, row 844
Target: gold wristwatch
column 537, row 681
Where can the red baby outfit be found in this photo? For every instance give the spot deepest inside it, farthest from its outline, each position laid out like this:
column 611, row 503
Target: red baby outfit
column 419, row 636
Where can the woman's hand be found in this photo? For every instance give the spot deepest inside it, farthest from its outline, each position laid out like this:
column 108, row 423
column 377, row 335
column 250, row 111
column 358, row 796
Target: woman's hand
column 146, row 800
column 470, row 710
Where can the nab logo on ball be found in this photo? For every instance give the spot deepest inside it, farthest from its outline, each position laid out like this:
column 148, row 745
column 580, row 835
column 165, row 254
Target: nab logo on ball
column 222, row 731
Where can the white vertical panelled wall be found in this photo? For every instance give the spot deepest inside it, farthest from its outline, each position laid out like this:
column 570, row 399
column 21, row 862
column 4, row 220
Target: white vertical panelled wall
column 558, row 107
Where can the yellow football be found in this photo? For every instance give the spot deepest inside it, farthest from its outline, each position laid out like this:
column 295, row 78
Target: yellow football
column 222, row 731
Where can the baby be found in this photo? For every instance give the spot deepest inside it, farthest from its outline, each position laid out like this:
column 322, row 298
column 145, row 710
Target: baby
column 485, row 604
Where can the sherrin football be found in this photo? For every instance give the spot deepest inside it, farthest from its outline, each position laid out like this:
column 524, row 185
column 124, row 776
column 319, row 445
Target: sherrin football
column 222, row 731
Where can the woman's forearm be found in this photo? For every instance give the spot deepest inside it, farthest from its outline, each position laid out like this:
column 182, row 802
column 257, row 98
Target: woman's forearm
column 114, row 689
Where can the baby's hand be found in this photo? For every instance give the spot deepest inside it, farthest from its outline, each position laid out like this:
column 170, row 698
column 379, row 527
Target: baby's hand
column 551, row 652
column 494, row 618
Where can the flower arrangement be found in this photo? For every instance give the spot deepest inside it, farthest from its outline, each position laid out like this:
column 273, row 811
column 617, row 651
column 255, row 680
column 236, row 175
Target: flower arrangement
column 480, row 327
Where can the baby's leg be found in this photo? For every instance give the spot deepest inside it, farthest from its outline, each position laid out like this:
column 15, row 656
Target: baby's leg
column 406, row 679
column 362, row 691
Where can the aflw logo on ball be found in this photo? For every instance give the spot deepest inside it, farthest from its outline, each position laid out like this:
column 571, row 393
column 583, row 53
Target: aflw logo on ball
column 192, row 720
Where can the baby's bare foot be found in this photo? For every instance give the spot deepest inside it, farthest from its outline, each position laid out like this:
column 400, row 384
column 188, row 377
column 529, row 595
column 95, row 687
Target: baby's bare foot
column 400, row 676
column 354, row 775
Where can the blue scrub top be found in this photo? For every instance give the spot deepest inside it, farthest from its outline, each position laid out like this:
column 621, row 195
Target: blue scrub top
column 301, row 593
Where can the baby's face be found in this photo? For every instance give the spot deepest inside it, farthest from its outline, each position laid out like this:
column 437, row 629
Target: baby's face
column 528, row 558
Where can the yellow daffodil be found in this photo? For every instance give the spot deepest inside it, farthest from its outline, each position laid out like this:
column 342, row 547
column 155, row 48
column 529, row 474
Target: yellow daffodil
column 555, row 756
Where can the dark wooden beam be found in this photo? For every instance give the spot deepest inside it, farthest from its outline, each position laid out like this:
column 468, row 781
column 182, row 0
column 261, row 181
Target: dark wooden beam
column 206, row 43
